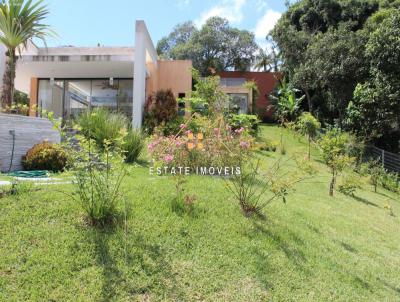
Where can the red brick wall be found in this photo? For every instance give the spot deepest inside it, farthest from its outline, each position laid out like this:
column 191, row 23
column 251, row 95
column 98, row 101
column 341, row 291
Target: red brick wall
column 266, row 82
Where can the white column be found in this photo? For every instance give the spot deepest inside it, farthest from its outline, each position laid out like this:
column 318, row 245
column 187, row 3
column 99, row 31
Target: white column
column 139, row 76
column 144, row 52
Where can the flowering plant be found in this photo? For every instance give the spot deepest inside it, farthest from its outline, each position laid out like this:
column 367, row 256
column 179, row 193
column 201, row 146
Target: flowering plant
column 217, row 145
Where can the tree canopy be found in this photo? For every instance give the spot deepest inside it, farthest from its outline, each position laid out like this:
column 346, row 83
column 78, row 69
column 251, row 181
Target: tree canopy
column 338, row 52
column 216, row 46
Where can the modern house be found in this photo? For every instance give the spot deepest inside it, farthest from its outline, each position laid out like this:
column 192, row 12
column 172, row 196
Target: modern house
column 67, row 80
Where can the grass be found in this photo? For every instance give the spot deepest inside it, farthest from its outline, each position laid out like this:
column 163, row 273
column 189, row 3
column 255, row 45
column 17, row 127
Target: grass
column 314, row 248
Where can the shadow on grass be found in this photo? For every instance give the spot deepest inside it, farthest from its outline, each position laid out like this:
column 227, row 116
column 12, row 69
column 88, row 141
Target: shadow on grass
column 130, row 265
column 347, row 247
column 389, row 285
column 364, row 201
column 143, row 163
column 291, row 251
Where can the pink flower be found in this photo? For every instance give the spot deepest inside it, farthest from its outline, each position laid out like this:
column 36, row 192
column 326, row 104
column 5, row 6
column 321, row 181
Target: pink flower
column 182, row 126
column 178, row 143
column 188, row 132
column 244, row 145
column 152, row 145
column 168, row 158
column 240, row 130
column 217, row 131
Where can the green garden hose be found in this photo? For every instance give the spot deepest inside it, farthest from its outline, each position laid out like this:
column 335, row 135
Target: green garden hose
column 30, row 174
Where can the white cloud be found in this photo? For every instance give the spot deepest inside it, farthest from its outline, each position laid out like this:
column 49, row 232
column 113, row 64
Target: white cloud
column 265, row 24
column 229, row 9
column 261, row 5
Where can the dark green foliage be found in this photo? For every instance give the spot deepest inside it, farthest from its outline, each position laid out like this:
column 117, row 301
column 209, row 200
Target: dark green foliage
column 101, row 124
column 216, row 46
column 132, row 145
column 285, row 102
column 248, row 121
column 390, row 181
column 344, row 55
column 45, row 156
column 172, row 127
column 376, row 103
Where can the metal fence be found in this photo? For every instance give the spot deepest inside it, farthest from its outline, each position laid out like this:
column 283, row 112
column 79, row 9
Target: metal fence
column 390, row 161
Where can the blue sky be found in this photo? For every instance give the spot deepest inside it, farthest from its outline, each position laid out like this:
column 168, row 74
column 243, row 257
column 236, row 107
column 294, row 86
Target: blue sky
column 111, row 22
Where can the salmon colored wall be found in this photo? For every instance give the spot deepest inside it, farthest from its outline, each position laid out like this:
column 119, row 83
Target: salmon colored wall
column 266, row 82
column 33, row 97
column 174, row 75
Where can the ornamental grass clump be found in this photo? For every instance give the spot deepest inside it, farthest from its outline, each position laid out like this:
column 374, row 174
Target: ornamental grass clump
column 133, row 145
column 100, row 124
column 254, row 189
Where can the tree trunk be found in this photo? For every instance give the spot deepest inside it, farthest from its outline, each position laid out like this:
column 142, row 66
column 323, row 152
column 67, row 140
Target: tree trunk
column 7, row 96
column 332, row 184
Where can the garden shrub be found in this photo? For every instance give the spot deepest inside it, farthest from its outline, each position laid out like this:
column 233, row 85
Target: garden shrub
column 390, row 181
column 199, row 105
column 163, row 106
column 101, row 124
column 349, row 184
column 132, row 145
column 45, row 156
column 247, row 121
column 98, row 176
column 171, row 127
column 160, row 110
column 219, row 146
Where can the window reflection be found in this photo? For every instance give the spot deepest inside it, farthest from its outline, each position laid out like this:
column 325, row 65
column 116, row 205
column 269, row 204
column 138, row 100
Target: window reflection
column 77, row 98
column 69, row 98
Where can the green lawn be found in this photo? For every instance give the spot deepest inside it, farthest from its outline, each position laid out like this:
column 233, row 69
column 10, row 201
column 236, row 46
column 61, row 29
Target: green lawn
column 313, row 248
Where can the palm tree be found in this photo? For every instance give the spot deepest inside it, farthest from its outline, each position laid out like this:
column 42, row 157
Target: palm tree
column 263, row 61
column 20, row 21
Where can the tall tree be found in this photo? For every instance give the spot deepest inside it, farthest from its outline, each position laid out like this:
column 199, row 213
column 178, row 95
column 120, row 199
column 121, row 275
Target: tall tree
column 322, row 45
column 376, row 102
column 176, row 46
column 216, row 46
column 20, row 21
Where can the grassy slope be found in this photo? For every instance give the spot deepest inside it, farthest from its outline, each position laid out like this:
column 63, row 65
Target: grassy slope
column 314, row 248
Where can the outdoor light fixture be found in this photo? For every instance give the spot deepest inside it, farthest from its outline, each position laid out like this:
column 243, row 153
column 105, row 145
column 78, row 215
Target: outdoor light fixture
column 111, row 81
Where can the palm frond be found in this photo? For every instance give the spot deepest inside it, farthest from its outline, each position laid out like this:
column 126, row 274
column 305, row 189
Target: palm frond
column 21, row 21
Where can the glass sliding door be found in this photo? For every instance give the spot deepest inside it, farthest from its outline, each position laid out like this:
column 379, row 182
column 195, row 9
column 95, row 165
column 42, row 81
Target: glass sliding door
column 50, row 97
column 104, row 94
column 239, row 102
column 125, row 97
column 68, row 98
column 77, row 97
